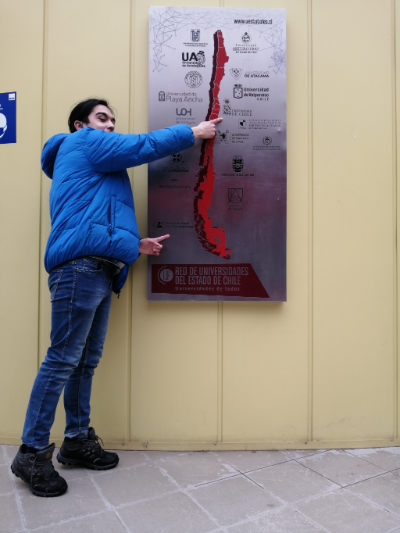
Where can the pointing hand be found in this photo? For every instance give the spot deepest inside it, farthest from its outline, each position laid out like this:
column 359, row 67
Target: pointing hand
column 151, row 246
column 206, row 130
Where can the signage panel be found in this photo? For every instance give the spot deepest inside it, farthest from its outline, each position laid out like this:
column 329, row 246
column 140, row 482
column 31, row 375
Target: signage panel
column 223, row 201
column 8, row 118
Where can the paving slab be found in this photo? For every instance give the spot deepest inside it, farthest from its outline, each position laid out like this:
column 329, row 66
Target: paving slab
column 10, row 452
column 285, row 520
column 173, row 513
column 131, row 458
column 193, row 468
column 386, row 458
column 6, row 484
column 383, row 490
column 129, row 485
column 248, row 461
column 235, row 499
column 341, row 467
column 292, row 482
column 10, row 518
column 343, row 512
column 106, row 522
column 297, row 454
column 3, row 457
column 80, row 500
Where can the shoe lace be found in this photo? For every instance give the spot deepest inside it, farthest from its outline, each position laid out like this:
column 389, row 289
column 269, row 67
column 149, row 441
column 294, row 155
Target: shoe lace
column 46, row 469
column 93, row 445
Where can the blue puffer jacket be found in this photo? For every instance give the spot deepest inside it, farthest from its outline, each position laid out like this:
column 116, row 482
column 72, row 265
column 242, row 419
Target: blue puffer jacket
column 91, row 203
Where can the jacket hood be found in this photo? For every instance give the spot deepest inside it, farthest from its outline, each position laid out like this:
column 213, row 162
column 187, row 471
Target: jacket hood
column 50, row 151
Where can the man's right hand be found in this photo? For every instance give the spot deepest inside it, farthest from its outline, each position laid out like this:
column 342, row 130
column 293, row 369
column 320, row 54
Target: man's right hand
column 206, row 130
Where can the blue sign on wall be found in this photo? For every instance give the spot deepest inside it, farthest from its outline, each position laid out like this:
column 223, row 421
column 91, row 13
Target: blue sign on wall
column 8, row 118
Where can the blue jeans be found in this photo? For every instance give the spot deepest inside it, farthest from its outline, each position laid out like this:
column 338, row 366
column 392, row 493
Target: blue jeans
column 81, row 300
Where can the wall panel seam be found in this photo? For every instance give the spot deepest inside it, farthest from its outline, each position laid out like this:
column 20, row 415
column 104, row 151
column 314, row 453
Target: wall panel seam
column 395, row 223
column 310, row 227
column 220, row 357
column 42, row 138
column 129, row 317
column 220, row 377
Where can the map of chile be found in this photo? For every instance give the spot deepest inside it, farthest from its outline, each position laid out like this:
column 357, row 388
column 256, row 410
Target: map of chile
column 212, row 239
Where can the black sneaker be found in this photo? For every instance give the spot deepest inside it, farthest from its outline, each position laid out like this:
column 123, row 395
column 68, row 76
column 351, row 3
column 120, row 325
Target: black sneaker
column 37, row 470
column 86, row 452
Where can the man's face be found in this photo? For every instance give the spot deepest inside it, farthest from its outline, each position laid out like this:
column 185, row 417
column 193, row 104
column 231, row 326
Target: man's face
column 100, row 118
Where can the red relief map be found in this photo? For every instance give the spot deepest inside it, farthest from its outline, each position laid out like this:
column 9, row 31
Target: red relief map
column 211, row 238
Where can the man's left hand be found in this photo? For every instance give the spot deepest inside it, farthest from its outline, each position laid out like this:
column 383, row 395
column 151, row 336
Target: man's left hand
column 151, row 246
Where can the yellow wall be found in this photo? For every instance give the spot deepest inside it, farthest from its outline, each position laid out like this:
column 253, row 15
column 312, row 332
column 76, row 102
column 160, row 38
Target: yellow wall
column 318, row 371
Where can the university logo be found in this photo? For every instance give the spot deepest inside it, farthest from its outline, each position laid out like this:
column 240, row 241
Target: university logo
column 165, row 275
column 237, row 163
column 193, row 79
column 223, row 137
column 176, row 158
column 183, row 112
column 161, row 96
column 227, row 107
column 267, row 140
column 198, row 58
column 238, row 91
column 159, row 224
column 236, row 73
column 195, row 36
column 246, row 38
column 235, row 196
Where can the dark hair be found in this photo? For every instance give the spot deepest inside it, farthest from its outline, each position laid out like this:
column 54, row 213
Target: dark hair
column 82, row 111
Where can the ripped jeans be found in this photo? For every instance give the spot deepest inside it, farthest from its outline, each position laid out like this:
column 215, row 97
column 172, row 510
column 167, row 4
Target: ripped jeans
column 80, row 306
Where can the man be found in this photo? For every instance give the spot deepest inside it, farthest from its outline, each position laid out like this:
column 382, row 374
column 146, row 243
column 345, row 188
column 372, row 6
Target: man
column 93, row 240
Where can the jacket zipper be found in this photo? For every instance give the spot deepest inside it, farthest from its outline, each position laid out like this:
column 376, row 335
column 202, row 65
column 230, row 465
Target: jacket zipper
column 112, row 215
